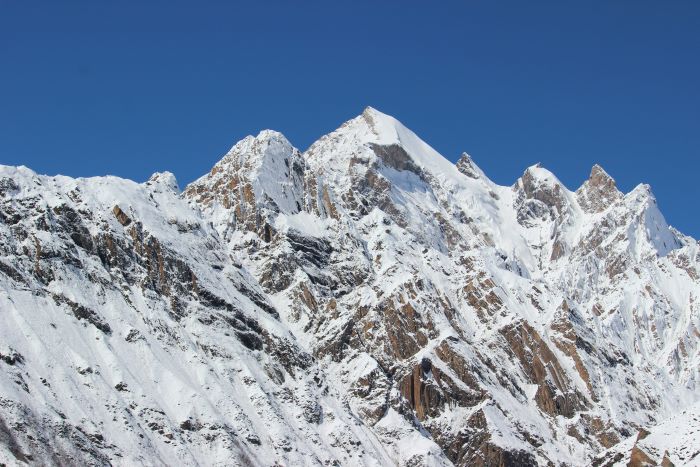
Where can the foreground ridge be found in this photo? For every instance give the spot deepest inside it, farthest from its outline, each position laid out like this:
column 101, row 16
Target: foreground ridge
column 364, row 302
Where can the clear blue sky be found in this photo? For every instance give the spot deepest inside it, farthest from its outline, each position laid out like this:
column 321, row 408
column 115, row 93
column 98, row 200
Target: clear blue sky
column 130, row 88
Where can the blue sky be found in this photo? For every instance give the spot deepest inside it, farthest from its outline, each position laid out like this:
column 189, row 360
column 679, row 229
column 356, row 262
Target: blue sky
column 130, row 88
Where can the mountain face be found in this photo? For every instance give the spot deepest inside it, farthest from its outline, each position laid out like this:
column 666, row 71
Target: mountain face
column 365, row 302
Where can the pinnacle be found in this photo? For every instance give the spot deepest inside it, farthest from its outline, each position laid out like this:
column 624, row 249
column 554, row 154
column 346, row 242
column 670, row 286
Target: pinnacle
column 599, row 173
column 598, row 192
column 601, row 180
column 466, row 165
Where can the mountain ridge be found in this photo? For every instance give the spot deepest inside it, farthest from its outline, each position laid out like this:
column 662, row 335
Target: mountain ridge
column 363, row 302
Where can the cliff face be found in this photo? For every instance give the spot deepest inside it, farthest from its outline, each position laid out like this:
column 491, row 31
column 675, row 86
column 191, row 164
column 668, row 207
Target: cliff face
column 365, row 302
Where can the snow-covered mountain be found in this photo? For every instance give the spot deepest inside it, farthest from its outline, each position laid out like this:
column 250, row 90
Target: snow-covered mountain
column 365, row 302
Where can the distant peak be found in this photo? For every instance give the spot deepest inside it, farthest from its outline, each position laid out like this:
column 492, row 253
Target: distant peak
column 374, row 134
column 466, row 165
column 598, row 192
column 251, row 145
column 538, row 173
column 600, row 176
column 642, row 191
column 165, row 180
column 271, row 134
column 372, row 112
column 465, row 159
column 20, row 170
column 384, row 127
column 538, row 183
column 650, row 222
column 596, row 169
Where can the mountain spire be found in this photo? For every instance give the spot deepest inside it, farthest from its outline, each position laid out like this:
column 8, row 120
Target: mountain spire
column 598, row 192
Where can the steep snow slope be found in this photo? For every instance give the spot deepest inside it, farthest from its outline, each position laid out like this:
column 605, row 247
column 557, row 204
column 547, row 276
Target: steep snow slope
column 130, row 337
column 366, row 302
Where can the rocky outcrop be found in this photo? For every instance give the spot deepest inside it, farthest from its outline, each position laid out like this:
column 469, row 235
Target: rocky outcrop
column 466, row 165
column 539, row 195
column 258, row 177
column 555, row 393
column 599, row 192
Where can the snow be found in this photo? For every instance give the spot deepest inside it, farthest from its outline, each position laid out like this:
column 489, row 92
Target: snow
column 676, row 438
column 305, row 223
column 460, row 260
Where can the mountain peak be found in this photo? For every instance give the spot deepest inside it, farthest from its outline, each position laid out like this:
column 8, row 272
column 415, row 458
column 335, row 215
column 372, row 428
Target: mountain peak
column 369, row 111
column 266, row 135
column 536, row 175
column 164, row 180
column 369, row 136
column 384, row 127
column 256, row 171
column 600, row 178
column 598, row 192
column 539, row 185
column 650, row 223
column 264, row 139
column 598, row 171
column 643, row 190
column 466, row 165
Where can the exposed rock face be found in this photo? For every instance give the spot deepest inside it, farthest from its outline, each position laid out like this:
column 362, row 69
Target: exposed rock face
column 365, row 302
column 672, row 442
column 539, row 195
column 599, row 192
column 258, row 178
column 466, row 165
column 555, row 393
